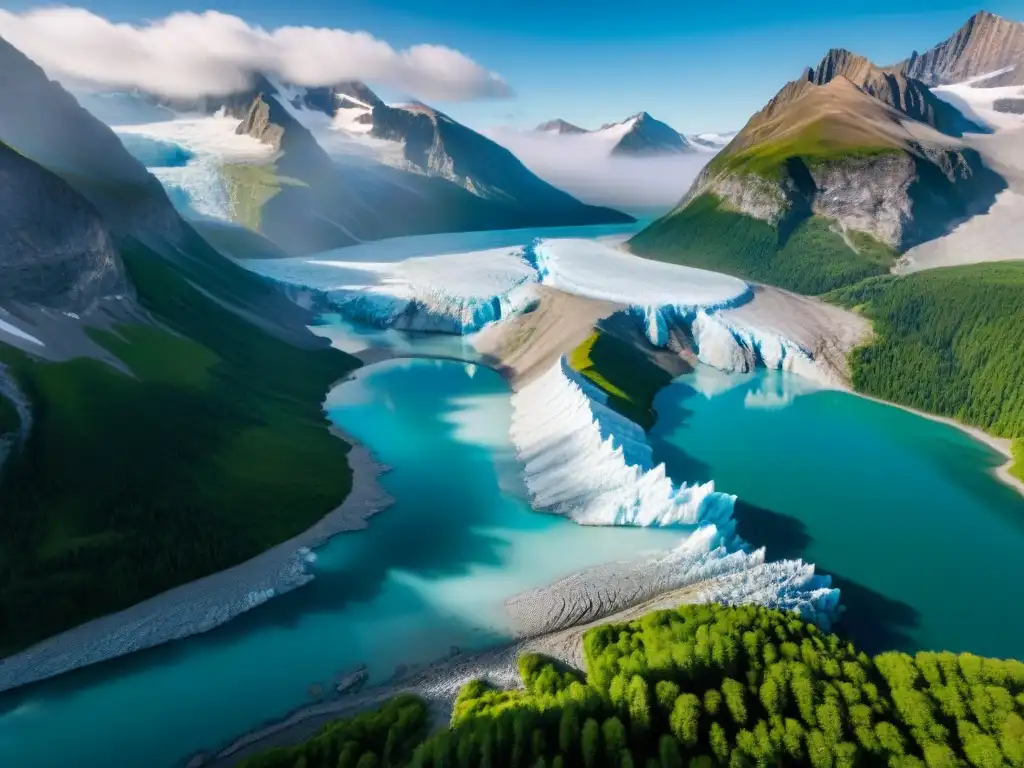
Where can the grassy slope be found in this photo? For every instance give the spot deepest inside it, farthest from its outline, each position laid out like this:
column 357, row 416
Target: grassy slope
column 628, row 378
column 214, row 451
column 816, row 143
column 948, row 341
column 703, row 686
column 813, row 260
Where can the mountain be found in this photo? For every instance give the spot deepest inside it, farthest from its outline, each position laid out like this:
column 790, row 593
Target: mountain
column 147, row 372
column 909, row 96
column 441, row 175
column 559, row 126
column 55, row 250
column 641, row 134
column 824, row 186
column 986, row 44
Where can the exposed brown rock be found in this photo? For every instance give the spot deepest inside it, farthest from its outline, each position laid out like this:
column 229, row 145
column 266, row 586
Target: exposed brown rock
column 986, row 43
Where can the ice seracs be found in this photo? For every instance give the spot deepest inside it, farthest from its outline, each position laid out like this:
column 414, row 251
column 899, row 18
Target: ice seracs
column 589, row 463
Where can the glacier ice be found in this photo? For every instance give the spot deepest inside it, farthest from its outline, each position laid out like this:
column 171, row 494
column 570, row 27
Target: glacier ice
column 455, row 293
column 589, row 463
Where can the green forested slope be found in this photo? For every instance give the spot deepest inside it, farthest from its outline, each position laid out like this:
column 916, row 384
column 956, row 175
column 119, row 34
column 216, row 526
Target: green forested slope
column 705, row 685
column 213, row 450
column 622, row 372
column 812, row 259
column 949, row 341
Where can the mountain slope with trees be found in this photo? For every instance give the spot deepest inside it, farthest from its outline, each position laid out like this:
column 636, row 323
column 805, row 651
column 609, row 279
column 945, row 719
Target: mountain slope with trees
column 704, row 686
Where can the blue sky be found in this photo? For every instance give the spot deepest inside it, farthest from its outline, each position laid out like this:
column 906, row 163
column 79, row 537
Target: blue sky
column 698, row 66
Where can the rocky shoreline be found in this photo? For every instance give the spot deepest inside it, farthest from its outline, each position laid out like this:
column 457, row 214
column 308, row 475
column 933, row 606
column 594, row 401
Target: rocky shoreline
column 206, row 603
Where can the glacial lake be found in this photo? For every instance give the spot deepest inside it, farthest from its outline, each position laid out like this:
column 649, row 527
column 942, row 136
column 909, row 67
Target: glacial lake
column 921, row 539
column 431, row 572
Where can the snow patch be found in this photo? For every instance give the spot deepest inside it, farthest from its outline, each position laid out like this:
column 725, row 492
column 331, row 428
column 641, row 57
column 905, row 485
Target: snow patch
column 978, row 103
column 14, row 330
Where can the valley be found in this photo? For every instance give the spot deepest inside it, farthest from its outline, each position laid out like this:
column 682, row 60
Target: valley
column 310, row 399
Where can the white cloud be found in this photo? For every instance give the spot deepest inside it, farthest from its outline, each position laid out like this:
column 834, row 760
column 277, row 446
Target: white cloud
column 193, row 54
column 583, row 167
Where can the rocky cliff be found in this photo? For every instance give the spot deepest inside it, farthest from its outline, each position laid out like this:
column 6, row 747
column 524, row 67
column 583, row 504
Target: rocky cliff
column 911, row 97
column 831, row 175
column 55, row 250
column 985, row 44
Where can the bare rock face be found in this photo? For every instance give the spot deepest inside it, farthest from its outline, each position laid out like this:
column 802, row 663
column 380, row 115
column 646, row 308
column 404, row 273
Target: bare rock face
column 867, row 195
column 257, row 123
column 55, row 250
column 901, row 198
column 986, row 43
column 1009, row 106
column 750, row 195
column 911, row 97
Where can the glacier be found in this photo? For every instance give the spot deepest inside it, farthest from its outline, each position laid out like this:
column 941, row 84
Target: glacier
column 585, row 461
column 456, row 293
column 662, row 296
column 194, row 178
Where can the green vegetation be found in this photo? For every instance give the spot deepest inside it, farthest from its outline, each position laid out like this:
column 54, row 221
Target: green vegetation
column 948, row 341
column 213, row 449
column 9, row 419
column 1017, row 469
column 703, row 686
column 813, row 259
column 250, row 186
column 625, row 374
column 384, row 737
column 816, row 144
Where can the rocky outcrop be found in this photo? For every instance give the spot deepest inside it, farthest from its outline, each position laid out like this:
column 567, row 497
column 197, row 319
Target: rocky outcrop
column 985, row 44
column 257, row 123
column 55, row 250
column 911, row 97
column 900, row 198
column 1009, row 106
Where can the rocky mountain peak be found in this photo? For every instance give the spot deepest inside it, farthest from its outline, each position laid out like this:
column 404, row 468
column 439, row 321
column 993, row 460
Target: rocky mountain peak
column 986, row 43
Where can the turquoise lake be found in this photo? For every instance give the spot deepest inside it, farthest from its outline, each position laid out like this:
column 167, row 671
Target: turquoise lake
column 431, row 572
column 923, row 542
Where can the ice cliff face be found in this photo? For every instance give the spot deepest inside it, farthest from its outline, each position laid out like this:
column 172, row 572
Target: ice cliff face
column 585, row 461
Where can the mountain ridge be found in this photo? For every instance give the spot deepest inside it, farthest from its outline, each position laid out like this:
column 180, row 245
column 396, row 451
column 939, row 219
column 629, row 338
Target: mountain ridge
column 826, row 157
column 986, row 43
column 450, row 177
